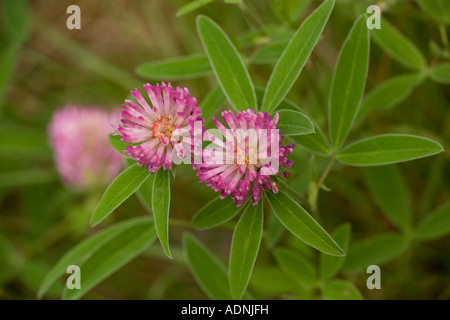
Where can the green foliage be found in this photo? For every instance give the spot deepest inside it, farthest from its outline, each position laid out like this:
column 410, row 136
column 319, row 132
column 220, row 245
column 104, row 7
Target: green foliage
column 434, row 225
column 293, row 123
column 341, row 290
column 296, row 267
column 329, row 265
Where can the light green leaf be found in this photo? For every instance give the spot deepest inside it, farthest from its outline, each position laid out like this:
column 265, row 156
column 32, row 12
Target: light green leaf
column 387, row 149
column 244, row 248
column 441, row 73
column 208, row 271
column 181, row 68
column 398, row 46
column 341, row 290
column 374, row 251
column 118, row 191
column 387, row 187
column 233, row 1
column 84, row 250
column 315, row 142
column 349, row 79
column 216, row 212
column 191, row 6
column 161, row 207
column 301, row 224
column 296, row 267
column 329, row 265
column 391, row 92
column 438, row 9
column 227, row 64
column 294, row 123
column 435, row 225
column 118, row 251
column 295, row 55
column 212, row 103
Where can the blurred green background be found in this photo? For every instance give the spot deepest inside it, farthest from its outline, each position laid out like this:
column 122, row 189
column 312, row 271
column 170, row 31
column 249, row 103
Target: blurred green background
column 43, row 66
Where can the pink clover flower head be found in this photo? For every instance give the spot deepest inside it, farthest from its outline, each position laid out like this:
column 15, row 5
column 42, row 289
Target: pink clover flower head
column 79, row 138
column 159, row 129
column 249, row 160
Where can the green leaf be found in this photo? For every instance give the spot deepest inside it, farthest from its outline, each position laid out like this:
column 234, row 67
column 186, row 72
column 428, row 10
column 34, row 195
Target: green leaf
column 118, row 251
column 117, row 144
column 391, row 92
column 216, row 212
column 329, row 265
column 272, row 280
column 349, row 79
column 212, row 103
column 227, row 64
column 244, row 248
column 294, row 123
column 435, row 224
column 208, row 271
column 118, row 191
column 270, row 53
column 438, row 9
column 161, row 207
column 274, row 231
column 387, row 187
column 341, row 290
column 374, row 251
column 301, row 224
column 295, row 55
column 387, row 149
column 296, row 267
column 398, row 46
column 441, row 73
column 145, row 191
column 181, row 68
column 191, row 6
column 315, row 142
column 84, row 250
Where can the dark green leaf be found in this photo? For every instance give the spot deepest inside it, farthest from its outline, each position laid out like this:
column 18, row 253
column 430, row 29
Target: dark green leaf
column 441, row 73
column 341, row 290
column 436, row 224
column 294, row 123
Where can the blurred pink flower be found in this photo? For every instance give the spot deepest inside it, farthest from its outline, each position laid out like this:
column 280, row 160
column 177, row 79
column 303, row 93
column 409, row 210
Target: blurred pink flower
column 79, row 138
column 255, row 158
column 159, row 128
